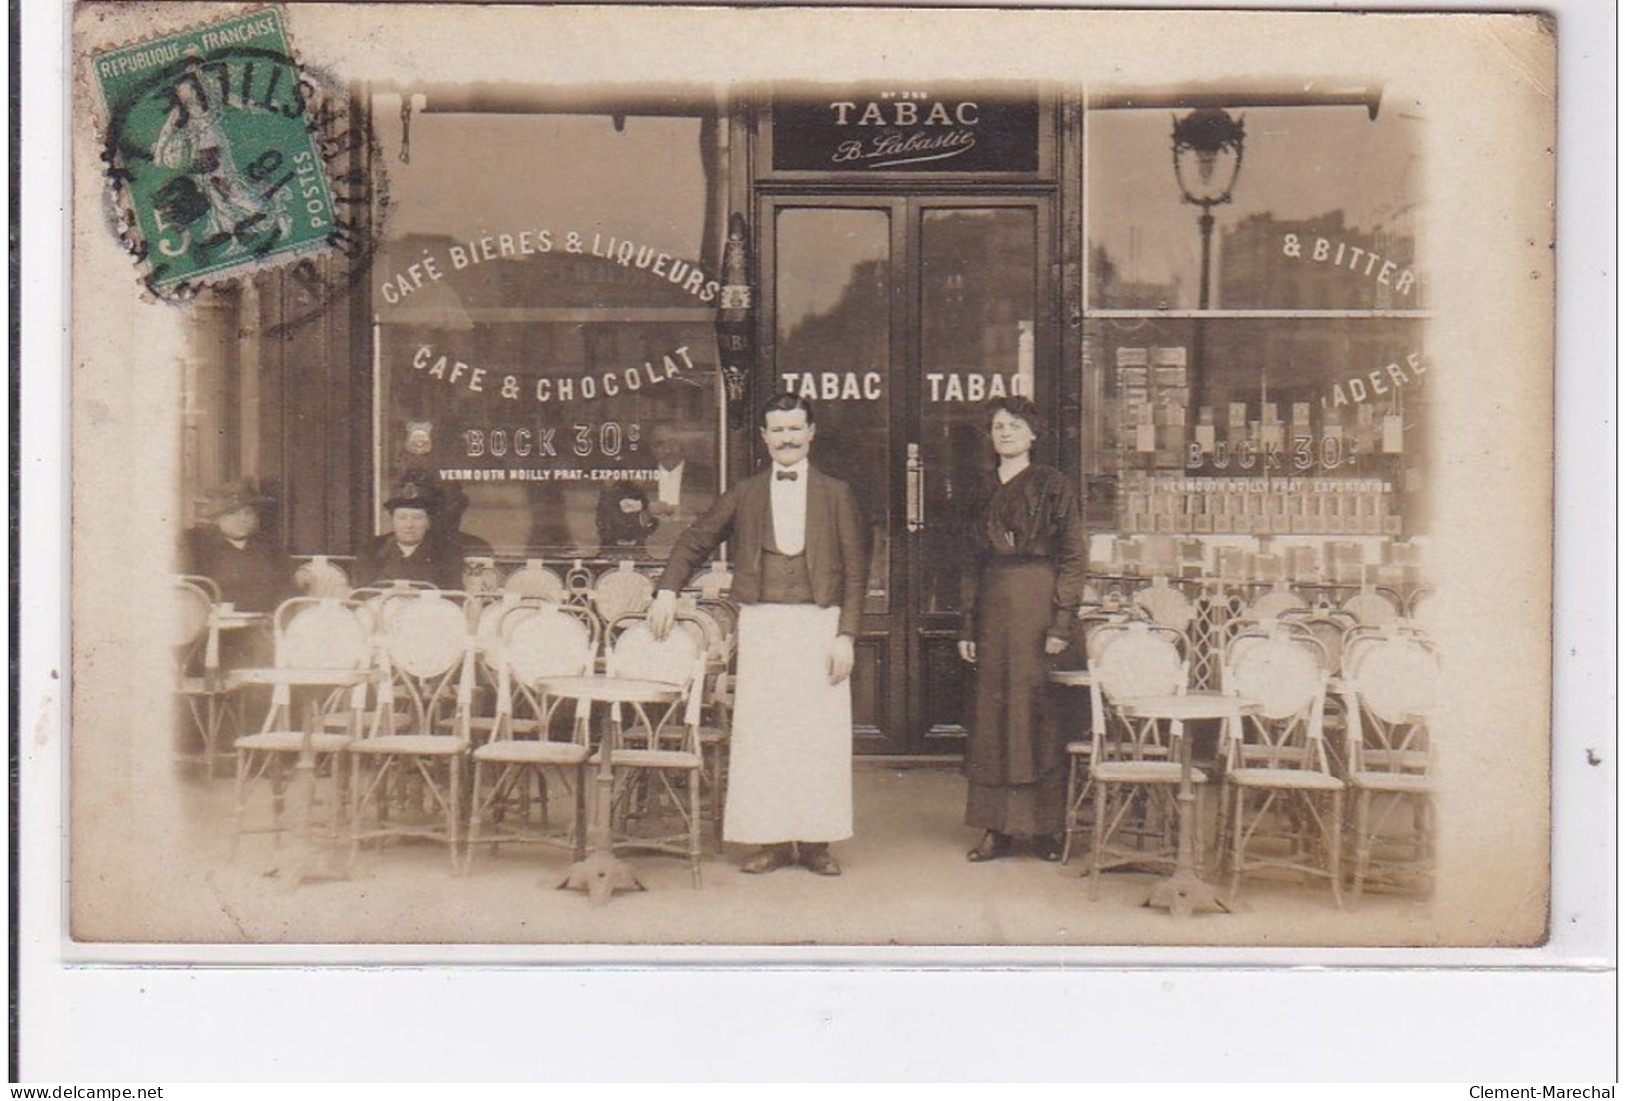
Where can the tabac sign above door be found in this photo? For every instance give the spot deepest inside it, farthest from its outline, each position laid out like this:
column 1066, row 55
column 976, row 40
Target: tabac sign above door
column 912, row 130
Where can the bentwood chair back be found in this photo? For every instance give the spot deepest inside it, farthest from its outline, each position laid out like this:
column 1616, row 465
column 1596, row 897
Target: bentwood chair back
column 526, row 758
column 208, row 584
column 322, row 633
column 190, row 623
column 719, row 619
column 714, row 582
column 1166, row 605
column 1392, row 680
column 380, row 602
column 1283, row 804
column 658, row 760
column 535, row 581
column 1327, row 626
column 1080, row 750
column 408, row 768
column 322, row 577
column 1373, row 607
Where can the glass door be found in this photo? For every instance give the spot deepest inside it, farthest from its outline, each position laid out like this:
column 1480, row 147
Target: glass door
column 901, row 317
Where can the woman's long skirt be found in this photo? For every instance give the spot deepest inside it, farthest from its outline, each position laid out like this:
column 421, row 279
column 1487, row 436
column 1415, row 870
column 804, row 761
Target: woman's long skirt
column 790, row 752
column 1015, row 756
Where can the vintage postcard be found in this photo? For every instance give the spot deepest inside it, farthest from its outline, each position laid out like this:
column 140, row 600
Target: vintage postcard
column 1173, row 564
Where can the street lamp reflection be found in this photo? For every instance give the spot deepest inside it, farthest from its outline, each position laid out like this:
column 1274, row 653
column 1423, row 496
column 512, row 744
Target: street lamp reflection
column 1207, row 161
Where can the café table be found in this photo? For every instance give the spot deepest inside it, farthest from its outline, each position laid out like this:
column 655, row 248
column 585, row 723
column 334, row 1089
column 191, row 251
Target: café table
column 1186, row 892
column 304, row 861
column 601, row 873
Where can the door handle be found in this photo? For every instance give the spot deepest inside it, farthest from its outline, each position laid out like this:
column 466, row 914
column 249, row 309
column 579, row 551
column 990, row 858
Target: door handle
column 914, row 481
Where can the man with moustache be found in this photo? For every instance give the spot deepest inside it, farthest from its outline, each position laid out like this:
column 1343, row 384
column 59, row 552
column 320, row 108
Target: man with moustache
column 800, row 569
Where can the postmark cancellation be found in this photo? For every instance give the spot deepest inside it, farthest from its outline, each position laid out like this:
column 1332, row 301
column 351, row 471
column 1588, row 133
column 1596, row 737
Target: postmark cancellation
column 219, row 153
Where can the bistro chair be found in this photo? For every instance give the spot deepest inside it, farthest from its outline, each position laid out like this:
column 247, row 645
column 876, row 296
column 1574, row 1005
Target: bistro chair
column 621, row 591
column 535, row 640
column 1134, row 770
column 1166, row 605
column 535, row 581
column 481, row 576
column 407, row 772
column 1273, row 602
column 1390, row 681
column 378, row 605
column 200, row 683
column 381, row 601
column 656, row 756
column 719, row 620
column 1080, row 751
column 1372, row 607
column 1282, row 803
column 714, row 582
column 324, row 652
column 1422, row 610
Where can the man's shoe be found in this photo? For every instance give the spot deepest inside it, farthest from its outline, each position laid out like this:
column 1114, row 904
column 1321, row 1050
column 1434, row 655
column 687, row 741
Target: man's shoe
column 817, row 859
column 1047, row 847
column 992, row 846
column 770, row 858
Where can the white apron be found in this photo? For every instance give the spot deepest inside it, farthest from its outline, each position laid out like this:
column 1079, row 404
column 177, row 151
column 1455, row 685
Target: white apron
column 790, row 753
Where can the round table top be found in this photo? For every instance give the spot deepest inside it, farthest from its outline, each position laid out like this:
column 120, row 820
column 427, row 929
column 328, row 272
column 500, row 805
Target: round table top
column 329, row 678
column 1193, row 705
column 605, row 689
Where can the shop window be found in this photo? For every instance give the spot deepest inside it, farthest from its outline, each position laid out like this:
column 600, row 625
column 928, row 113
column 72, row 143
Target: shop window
column 1264, row 372
column 546, row 347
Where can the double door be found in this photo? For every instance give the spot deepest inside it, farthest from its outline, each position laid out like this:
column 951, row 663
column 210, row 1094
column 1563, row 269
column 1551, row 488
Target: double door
column 902, row 316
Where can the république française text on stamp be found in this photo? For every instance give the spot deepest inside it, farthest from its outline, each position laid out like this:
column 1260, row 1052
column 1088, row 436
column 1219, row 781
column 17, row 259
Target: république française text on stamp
column 214, row 149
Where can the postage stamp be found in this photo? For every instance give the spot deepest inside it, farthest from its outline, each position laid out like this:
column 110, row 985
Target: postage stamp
column 212, row 149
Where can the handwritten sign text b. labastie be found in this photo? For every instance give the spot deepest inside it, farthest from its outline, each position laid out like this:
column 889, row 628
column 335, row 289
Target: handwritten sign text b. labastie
column 905, row 130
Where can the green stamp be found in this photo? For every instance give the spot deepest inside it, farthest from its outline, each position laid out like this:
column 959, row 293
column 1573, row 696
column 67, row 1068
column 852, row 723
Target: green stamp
column 213, row 150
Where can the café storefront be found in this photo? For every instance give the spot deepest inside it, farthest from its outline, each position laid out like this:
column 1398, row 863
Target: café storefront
column 556, row 297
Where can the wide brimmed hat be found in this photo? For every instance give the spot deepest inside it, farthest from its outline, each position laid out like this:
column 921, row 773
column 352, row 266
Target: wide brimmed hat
column 414, row 495
column 230, row 497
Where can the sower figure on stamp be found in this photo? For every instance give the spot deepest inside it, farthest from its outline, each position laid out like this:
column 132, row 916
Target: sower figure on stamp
column 801, row 563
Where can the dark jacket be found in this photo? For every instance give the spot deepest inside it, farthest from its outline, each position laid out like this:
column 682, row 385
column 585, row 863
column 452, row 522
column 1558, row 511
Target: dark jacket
column 837, row 543
column 255, row 577
column 433, row 562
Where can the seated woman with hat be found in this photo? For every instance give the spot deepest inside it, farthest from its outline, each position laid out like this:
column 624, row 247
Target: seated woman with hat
column 253, row 575
column 405, row 552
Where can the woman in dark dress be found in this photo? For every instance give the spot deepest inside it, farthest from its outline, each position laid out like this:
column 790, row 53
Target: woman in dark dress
column 1021, row 589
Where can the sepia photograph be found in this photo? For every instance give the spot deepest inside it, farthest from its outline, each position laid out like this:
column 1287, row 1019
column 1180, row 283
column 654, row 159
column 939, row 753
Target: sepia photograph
column 584, row 485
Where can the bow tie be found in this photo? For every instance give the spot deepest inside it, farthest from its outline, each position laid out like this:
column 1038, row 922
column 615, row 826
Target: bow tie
column 784, row 475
